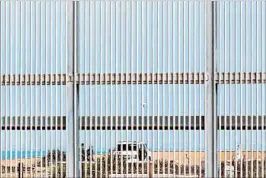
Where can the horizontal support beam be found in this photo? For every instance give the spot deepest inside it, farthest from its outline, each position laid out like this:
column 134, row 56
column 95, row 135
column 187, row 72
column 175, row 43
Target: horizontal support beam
column 35, row 79
column 132, row 78
column 101, row 79
column 143, row 123
column 132, row 123
column 33, row 123
column 34, row 127
column 248, row 122
column 140, row 78
column 116, row 123
column 240, row 78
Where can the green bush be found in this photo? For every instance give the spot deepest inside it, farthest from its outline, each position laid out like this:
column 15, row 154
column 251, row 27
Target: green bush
column 121, row 167
column 245, row 168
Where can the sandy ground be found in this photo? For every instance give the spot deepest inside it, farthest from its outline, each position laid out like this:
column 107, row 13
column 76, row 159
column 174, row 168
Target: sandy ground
column 31, row 171
column 197, row 157
column 25, row 161
column 182, row 157
column 191, row 158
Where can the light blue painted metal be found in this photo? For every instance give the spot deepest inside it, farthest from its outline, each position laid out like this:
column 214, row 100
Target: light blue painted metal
column 241, row 48
column 33, row 41
column 136, row 36
column 142, row 37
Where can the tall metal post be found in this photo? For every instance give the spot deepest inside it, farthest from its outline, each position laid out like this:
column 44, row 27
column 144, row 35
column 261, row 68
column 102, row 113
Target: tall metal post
column 72, row 94
column 0, row 91
column 210, row 86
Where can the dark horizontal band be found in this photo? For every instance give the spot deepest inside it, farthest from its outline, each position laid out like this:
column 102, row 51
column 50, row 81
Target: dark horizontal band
column 134, row 123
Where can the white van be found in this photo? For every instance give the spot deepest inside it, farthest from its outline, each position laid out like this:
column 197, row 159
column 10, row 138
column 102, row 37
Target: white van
column 132, row 151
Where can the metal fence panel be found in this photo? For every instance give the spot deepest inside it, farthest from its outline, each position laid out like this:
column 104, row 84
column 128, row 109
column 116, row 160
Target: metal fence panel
column 33, row 113
column 141, row 69
column 132, row 88
column 241, row 49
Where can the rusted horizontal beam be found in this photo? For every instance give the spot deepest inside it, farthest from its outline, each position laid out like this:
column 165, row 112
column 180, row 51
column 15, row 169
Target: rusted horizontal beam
column 101, row 79
column 140, row 78
column 35, row 79
column 240, row 78
column 132, row 78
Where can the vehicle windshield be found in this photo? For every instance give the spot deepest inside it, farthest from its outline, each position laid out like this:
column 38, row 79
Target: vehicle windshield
column 123, row 147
